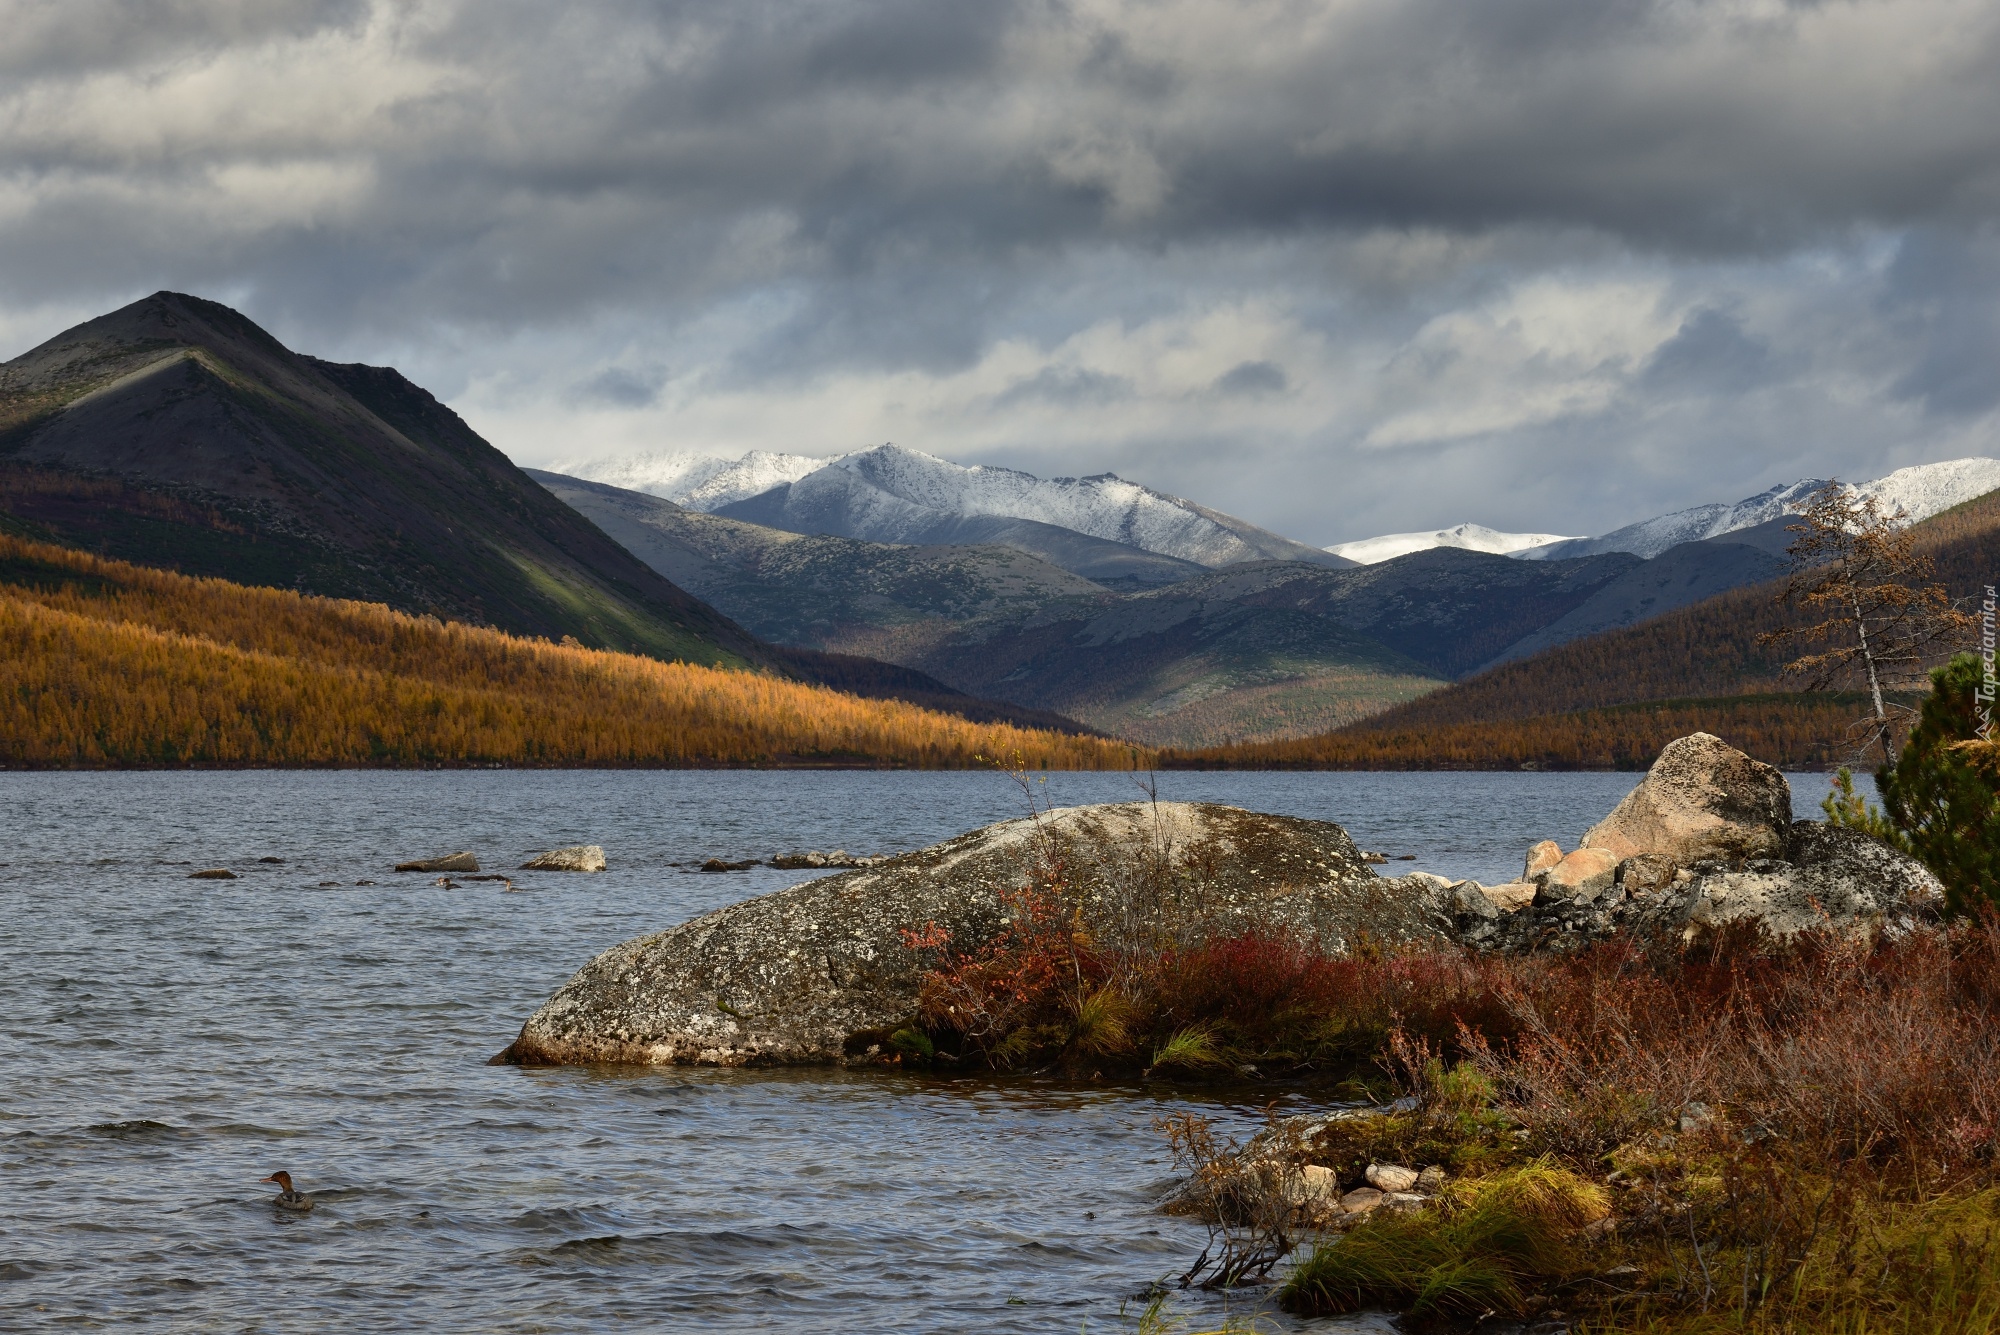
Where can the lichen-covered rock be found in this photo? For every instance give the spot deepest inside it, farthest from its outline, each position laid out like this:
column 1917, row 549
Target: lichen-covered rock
column 577, row 857
column 1830, row 877
column 819, row 972
column 1646, row 872
column 1703, row 799
column 449, row 862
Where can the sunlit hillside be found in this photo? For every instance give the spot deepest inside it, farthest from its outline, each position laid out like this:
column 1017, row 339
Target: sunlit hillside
column 108, row 664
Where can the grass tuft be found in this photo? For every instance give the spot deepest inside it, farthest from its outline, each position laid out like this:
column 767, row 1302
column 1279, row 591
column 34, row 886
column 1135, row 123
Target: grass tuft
column 1481, row 1248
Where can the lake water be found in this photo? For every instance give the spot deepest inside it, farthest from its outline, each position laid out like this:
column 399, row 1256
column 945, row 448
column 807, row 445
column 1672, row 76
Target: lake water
column 168, row 1042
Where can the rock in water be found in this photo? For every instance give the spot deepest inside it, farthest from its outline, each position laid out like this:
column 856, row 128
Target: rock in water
column 821, row 971
column 450, row 862
column 1703, row 799
column 577, row 857
column 212, row 874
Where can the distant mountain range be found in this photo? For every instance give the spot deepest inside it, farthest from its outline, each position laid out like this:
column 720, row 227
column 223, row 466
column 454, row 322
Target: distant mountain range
column 1919, row 492
column 1253, row 649
column 1614, row 697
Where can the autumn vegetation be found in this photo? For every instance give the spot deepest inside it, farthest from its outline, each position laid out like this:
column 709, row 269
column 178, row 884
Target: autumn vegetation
column 1727, row 1133
column 107, row 664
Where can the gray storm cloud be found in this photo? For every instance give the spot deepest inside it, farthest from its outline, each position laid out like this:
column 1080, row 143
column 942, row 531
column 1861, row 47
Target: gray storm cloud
column 1569, row 261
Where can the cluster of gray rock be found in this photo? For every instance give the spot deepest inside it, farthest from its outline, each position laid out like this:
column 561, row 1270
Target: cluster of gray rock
column 825, row 971
column 1705, row 840
column 838, row 860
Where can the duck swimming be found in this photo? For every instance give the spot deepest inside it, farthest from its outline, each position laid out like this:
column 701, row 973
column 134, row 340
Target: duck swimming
column 289, row 1197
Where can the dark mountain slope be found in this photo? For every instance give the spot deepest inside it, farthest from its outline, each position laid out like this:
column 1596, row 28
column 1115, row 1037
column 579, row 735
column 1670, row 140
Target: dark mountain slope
column 1675, row 578
column 176, row 433
column 1446, row 608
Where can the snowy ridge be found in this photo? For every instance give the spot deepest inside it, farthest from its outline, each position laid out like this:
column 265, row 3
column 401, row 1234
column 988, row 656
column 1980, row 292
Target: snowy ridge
column 1920, row 492
column 695, row 481
column 890, row 494
column 893, row 486
column 1930, row 489
column 1470, row 537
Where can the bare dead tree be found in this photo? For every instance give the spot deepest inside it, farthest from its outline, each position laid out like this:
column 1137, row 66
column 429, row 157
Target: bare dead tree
column 1871, row 608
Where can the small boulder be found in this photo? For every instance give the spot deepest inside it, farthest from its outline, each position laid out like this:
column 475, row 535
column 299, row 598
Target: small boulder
column 1431, row 1181
column 1402, row 1202
column 1646, row 873
column 1318, row 1188
column 1512, row 896
column 1390, row 1177
column 1469, row 902
column 1582, row 876
column 1541, row 857
column 720, row 864
column 1703, row 799
column 450, row 862
column 1360, row 1200
column 577, row 857
column 212, row 874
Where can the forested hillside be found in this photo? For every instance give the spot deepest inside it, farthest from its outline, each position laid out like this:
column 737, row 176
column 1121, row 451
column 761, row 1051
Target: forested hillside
column 108, row 664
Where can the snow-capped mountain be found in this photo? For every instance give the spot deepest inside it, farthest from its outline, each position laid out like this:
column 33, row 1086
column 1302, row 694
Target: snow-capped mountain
column 1471, row 537
column 695, row 481
column 891, row 494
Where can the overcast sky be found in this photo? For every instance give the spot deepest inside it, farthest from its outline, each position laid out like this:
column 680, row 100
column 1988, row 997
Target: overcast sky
column 1341, row 267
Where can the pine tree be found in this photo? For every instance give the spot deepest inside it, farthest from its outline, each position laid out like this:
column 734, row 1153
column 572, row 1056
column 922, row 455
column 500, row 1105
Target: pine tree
column 1946, row 808
column 1881, row 615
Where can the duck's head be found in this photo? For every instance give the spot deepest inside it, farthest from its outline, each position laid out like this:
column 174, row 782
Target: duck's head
column 283, row 1179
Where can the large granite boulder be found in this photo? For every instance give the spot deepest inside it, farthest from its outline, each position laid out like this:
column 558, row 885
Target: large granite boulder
column 818, row 972
column 1703, row 799
column 1705, row 841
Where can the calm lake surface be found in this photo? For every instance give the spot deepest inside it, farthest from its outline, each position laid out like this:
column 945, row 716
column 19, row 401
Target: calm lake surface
column 168, row 1042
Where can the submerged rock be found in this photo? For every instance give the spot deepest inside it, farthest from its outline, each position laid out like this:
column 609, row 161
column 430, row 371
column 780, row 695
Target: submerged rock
column 212, row 874
column 822, row 971
column 577, row 857
column 450, row 862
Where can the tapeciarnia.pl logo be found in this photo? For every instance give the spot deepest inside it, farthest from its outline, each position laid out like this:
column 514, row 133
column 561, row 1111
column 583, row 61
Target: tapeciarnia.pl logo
column 1987, row 681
